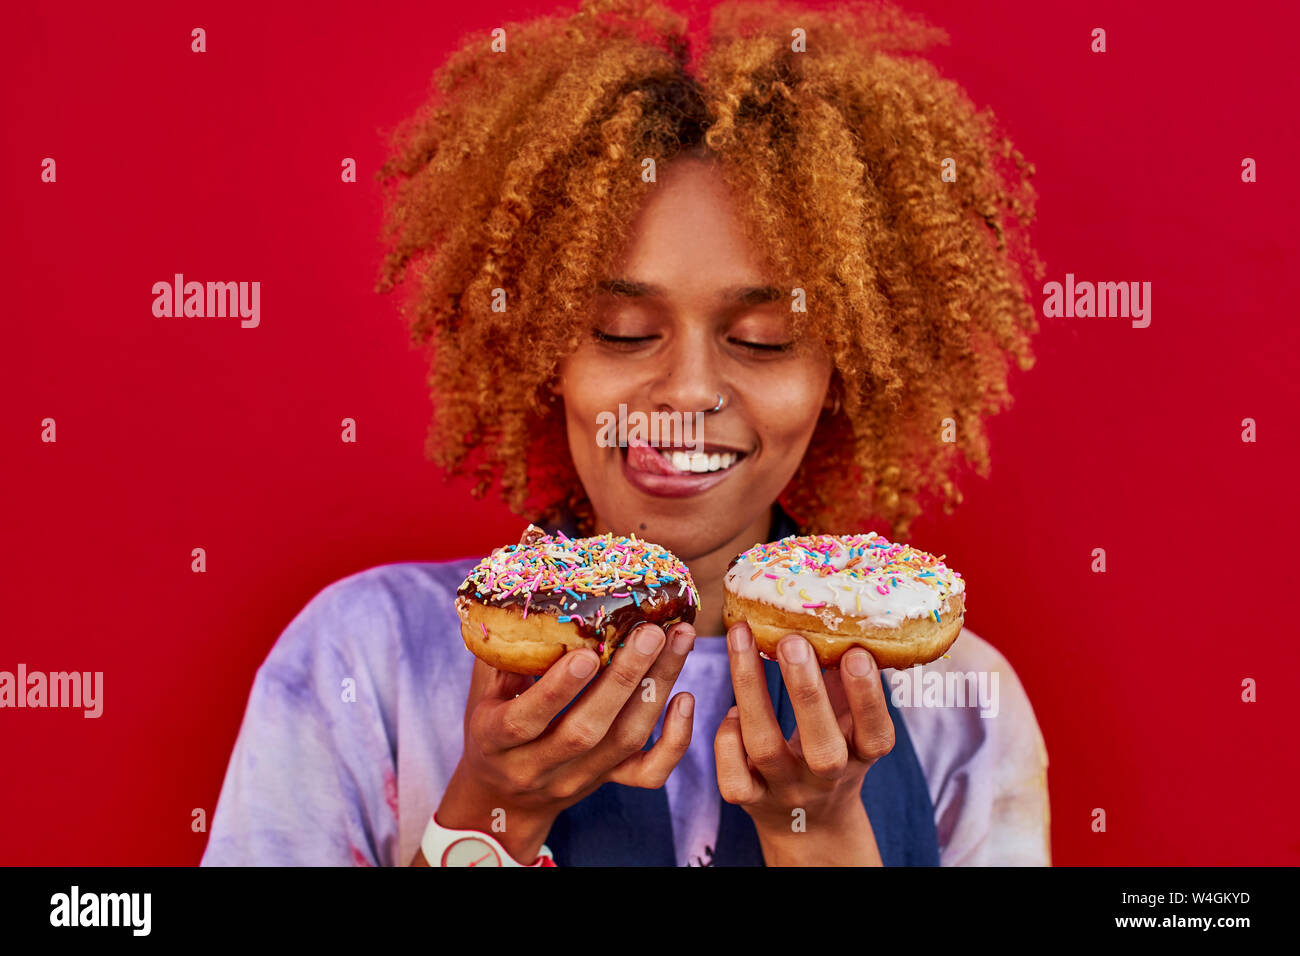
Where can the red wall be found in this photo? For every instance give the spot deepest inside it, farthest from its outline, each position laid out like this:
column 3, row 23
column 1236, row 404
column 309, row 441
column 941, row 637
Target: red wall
column 177, row 434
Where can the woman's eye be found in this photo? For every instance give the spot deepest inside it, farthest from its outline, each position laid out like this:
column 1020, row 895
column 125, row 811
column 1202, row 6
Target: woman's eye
column 763, row 347
column 631, row 341
column 621, row 339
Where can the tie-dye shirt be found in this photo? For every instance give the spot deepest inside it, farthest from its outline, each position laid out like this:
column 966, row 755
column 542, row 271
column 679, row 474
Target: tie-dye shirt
column 354, row 727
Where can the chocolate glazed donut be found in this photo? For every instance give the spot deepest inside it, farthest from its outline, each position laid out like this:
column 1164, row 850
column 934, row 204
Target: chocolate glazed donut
column 525, row 606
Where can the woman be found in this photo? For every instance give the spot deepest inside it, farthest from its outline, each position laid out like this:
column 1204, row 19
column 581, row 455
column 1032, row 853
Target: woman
column 804, row 238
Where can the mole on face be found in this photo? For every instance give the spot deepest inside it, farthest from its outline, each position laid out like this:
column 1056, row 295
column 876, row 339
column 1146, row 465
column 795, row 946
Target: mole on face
column 642, row 525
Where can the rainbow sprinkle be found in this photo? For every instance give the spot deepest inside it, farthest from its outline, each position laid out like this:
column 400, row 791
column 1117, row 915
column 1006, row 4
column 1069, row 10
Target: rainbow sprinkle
column 559, row 565
column 869, row 562
column 870, row 557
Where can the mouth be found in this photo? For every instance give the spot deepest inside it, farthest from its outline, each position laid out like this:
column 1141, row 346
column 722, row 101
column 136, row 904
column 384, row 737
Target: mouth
column 677, row 471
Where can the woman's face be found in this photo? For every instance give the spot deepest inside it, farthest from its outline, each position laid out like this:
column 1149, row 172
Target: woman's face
column 687, row 316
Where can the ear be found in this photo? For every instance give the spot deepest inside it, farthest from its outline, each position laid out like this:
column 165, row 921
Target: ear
column 832, row 402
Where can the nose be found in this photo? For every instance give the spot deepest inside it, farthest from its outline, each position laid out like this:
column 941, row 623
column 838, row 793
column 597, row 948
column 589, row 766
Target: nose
column 687, row 379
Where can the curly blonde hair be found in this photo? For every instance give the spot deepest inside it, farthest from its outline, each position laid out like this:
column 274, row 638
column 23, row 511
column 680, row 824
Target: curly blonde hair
column 522, row 172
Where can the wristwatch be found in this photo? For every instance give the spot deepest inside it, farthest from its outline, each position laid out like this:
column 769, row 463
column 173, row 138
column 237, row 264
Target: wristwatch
column 444, row 847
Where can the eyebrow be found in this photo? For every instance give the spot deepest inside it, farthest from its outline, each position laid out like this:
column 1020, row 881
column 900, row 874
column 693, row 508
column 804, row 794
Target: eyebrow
column 740, row 294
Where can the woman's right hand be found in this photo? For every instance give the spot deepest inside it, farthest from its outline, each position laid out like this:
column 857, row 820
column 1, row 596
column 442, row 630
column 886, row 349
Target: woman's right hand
column 517, row 761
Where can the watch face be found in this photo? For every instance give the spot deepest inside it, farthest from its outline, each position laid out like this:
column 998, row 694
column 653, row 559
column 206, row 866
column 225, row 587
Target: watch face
column 471, row 851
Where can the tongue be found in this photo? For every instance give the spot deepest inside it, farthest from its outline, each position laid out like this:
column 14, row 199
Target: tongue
column 644, row 458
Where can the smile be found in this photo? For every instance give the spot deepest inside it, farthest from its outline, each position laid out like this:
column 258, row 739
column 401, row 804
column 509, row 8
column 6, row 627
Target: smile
column 700, row 463
column 677, row 472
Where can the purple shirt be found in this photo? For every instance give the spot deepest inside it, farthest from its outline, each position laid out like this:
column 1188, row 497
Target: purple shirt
column 354, row 727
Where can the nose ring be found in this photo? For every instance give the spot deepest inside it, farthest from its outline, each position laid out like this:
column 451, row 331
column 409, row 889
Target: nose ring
column 721, row 402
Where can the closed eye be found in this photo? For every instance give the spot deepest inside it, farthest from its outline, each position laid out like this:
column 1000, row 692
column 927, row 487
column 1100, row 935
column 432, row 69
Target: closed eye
column 606, row 337
column 762, row 347
column 622, row 339
column 632, row 340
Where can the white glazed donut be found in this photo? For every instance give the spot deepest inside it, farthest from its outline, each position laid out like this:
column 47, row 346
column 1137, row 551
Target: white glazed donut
column 839, row 591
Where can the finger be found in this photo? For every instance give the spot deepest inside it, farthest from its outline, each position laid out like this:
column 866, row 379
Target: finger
column 839, row 703
column 835, row 691
column 736, row 782
column 821, row 741
column 510, row 721
column 488, row 683
column 650, row 768
column 873, row 729
column 761, row 734
column 635, row 722
column 585, row 724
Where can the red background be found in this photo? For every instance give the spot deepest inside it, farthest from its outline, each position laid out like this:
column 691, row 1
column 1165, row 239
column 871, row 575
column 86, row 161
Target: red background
column 174, row 434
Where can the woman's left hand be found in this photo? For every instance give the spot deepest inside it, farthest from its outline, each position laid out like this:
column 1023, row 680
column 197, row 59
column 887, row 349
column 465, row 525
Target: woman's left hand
column 804, row 795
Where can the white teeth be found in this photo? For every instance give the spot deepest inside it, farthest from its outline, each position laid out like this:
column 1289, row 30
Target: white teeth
column 700, row 463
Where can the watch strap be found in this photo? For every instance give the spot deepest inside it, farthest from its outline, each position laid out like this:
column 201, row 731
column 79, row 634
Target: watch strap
column 437, row 839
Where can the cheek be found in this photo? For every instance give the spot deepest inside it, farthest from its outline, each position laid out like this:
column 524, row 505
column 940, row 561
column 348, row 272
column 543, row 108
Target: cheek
column 576, row 428
column 788, row 411
column 589, row 384
column 587, row 390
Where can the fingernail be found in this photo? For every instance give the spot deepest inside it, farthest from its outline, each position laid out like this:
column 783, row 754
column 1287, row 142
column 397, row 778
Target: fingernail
column 686, row 707
column 684, row 641
column 646, row 639
column 582, row 665
column 795, row 651
column 738, row 637
column 858, row 664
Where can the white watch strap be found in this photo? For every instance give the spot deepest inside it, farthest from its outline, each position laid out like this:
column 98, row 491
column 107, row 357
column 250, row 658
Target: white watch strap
column 438, row 838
